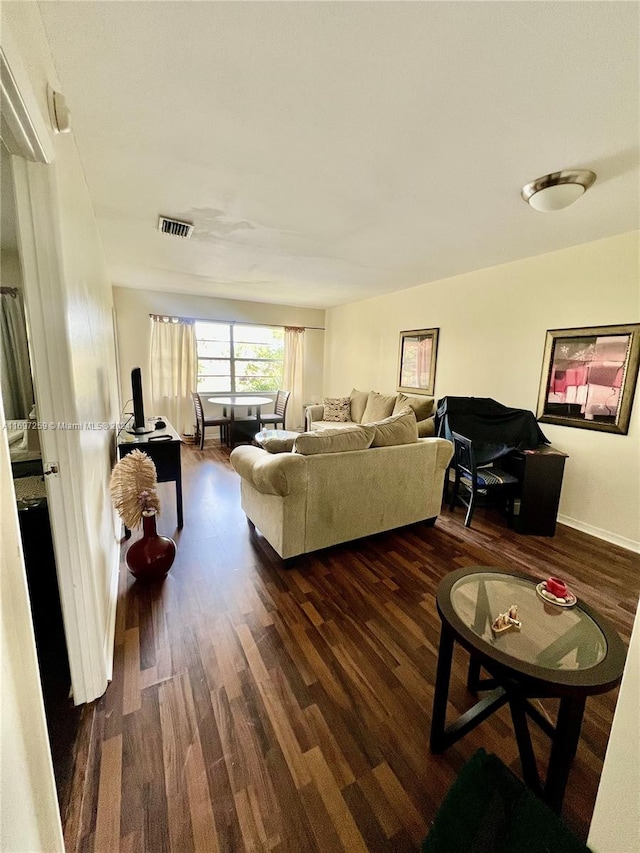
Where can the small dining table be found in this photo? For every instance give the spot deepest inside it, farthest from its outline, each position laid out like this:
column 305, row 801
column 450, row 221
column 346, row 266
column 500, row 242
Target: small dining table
column 235, row 402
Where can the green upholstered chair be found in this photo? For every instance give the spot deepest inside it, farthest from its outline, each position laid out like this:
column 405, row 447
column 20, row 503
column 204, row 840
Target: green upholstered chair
column 489, row 810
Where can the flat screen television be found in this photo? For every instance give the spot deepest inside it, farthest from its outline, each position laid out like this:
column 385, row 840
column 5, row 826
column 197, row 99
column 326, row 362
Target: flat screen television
column 139, row 423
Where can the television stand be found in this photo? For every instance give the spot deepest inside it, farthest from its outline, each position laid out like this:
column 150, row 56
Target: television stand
column 139, row 430
column 163, row 446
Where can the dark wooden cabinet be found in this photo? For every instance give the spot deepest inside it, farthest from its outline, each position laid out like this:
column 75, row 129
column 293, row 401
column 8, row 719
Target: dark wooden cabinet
column 540, row 473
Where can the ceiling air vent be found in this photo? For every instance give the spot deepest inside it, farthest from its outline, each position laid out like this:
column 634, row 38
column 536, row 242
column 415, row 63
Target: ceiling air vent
column 175, row 227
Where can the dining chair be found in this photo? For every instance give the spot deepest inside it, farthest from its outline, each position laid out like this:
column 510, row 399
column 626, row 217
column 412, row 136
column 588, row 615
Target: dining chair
column 484, row 481
column 279, row 411
column 202, row 423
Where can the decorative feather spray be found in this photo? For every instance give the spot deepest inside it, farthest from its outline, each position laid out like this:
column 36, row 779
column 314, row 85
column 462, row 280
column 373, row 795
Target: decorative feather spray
column 133, row 487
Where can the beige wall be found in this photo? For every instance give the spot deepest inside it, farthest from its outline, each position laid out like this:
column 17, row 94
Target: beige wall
column 492, row 333
column 134, row 331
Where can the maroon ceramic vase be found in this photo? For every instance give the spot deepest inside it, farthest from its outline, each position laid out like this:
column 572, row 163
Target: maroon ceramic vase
column 150, row 557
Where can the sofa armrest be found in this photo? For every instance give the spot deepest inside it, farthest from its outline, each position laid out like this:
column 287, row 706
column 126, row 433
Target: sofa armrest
column 444, row 452
column 313, row 413
column 271, row 474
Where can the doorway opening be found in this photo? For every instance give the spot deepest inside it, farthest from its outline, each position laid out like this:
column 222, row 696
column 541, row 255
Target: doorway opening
column 23, row 429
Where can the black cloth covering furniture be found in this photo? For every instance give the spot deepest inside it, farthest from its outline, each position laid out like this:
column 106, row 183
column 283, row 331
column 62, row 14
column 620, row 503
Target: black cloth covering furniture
column 495, row 430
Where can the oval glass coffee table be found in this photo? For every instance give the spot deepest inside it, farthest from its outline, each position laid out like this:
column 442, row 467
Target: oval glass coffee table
column 559, row 652
column 267, row 434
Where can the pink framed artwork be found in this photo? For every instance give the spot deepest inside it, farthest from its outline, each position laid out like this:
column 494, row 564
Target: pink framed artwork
column 589, row 377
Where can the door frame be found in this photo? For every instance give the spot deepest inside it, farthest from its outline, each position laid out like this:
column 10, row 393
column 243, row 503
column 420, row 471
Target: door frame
column 28, row 138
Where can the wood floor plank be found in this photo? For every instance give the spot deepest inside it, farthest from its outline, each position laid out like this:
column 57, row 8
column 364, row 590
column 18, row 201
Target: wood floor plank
column 107, row 835
column 131, row 689
column 254, row 707
column 404, row 808
column 177, row 739
column 205, row 837
column 282, row 726
column 345, row 826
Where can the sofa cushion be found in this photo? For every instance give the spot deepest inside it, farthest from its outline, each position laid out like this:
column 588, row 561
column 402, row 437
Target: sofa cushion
column 358, row 404
column 334, row 440
column 333, row 425
column 422, row 406
column 379, row 406
column 337, row 409
column 278, row 445
column 427, row 428
column 396, row 429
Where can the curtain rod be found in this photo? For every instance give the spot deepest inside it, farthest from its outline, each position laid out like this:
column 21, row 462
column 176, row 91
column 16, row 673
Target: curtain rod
column 231, row 322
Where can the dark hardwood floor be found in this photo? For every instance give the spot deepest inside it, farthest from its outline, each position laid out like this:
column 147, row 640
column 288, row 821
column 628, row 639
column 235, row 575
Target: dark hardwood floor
column 255, row 708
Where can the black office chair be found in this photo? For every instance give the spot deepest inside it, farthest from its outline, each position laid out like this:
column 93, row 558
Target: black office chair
column 279, row 411
column 486, row 481
column 202, row 423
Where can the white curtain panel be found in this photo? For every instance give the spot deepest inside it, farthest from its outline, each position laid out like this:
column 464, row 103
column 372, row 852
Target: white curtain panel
column 15, row 368
column 173, row 371
column 293, row 379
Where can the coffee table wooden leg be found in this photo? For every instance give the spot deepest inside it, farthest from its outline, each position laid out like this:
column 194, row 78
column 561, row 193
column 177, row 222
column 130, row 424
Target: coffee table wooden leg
column 441, row 693
column 563, row 749
column 517, row 704
column 473, row 674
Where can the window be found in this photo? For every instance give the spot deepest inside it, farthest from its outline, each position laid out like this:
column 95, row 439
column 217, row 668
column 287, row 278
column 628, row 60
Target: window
column 233, row 359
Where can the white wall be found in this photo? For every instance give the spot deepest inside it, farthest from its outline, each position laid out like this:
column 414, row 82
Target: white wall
column 492, row 334
column 29, row 818
column 134, row 330
column 615, row 827
column 73, row 259
column 86, row 332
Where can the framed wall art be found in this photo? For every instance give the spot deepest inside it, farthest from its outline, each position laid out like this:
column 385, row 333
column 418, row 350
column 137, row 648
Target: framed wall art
column 589, row 377
column 417, row 361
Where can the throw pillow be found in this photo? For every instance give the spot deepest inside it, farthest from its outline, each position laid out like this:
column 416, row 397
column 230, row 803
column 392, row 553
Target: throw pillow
column 358, row 404
column 397, row 429
column 422, row 406
column 337, row 409
column 278, row 445
column 427, row 428
column 334, row 440
column 379, row 406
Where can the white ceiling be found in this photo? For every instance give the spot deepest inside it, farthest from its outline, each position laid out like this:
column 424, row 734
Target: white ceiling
column 327, row 152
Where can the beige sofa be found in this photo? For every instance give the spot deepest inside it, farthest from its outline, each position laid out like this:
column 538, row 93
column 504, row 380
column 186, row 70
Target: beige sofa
column 367, row 406
column 320, row 494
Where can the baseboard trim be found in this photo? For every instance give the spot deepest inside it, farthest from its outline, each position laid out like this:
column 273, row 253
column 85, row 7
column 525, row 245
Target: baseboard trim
column 599, row 533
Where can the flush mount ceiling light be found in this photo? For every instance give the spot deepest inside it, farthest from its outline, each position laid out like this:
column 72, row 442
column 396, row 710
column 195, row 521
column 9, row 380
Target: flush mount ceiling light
column 558, row 190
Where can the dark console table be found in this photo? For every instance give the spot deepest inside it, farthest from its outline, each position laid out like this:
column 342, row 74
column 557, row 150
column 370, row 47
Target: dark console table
column 539, row 472
column 163, row 446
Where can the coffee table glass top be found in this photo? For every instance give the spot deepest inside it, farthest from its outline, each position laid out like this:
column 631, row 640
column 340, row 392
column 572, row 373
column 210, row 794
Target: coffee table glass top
column 552, row 637
column 284, row 434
